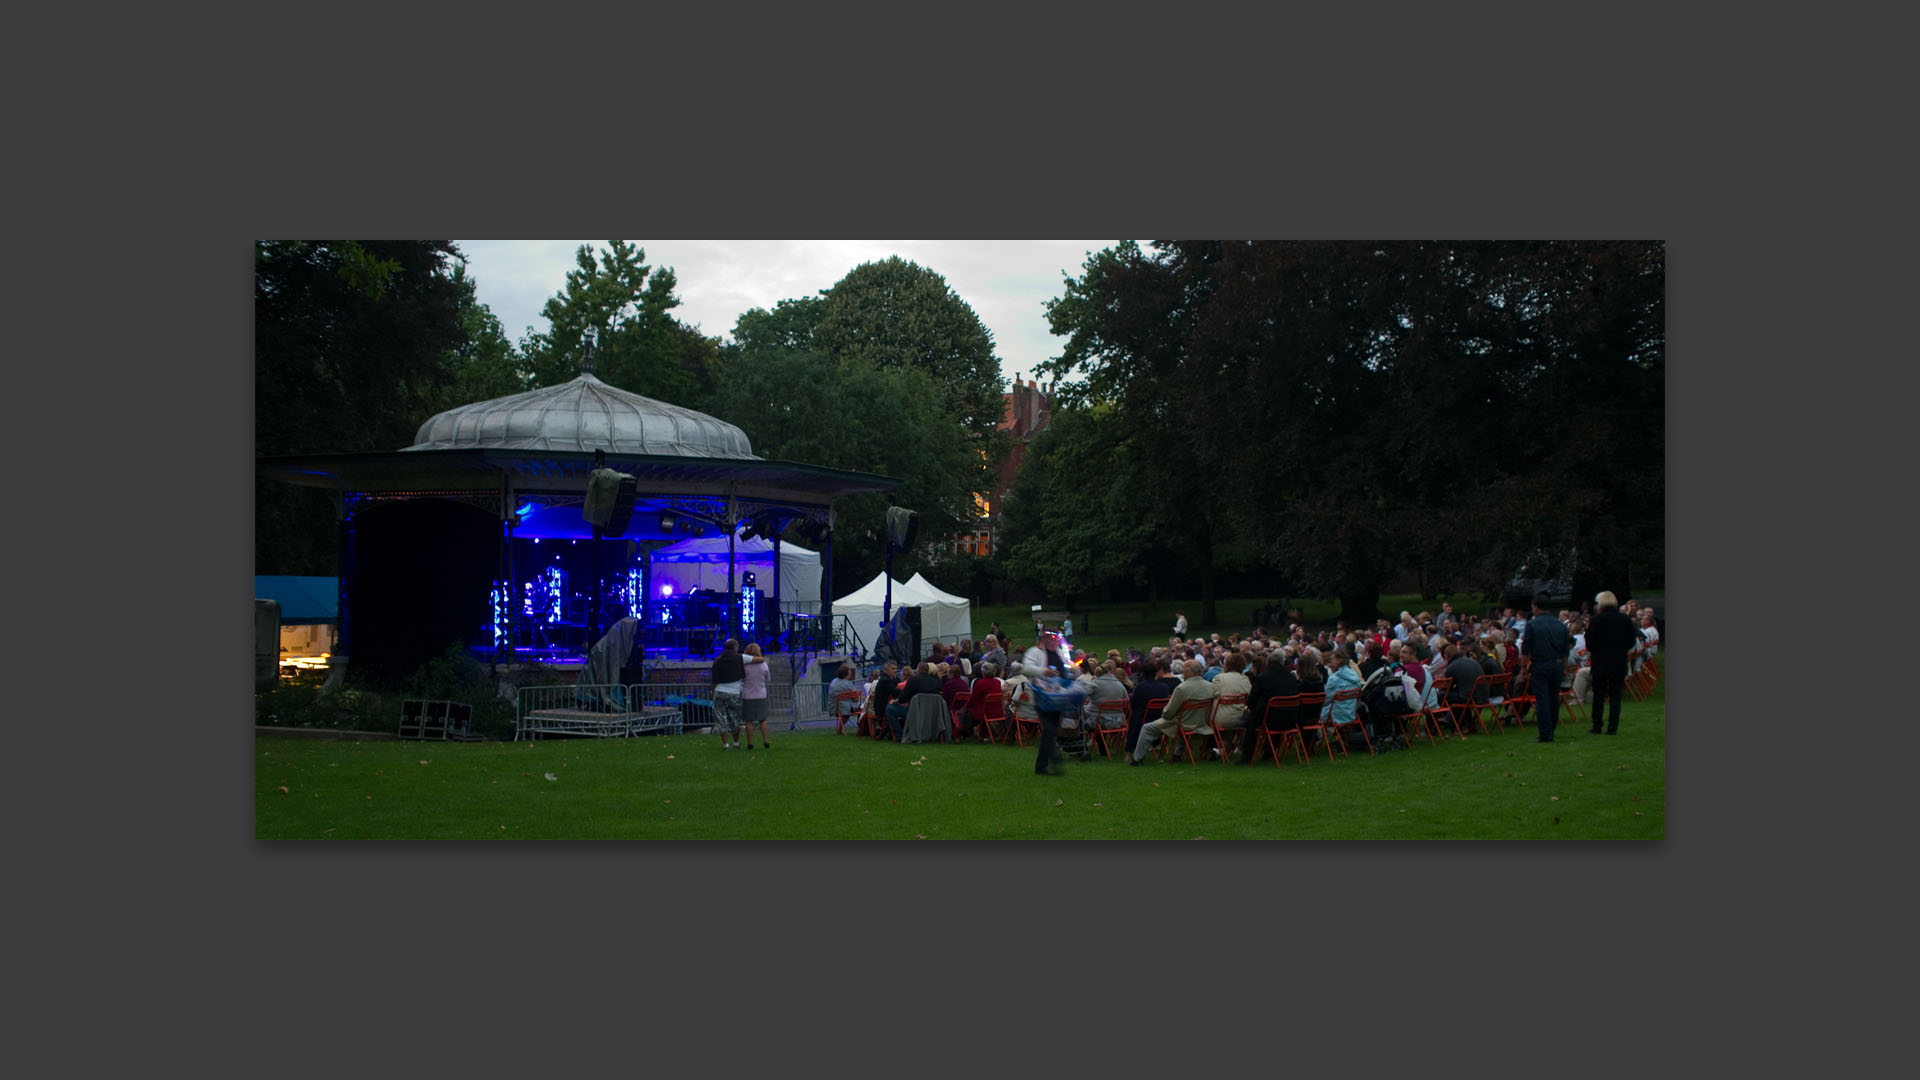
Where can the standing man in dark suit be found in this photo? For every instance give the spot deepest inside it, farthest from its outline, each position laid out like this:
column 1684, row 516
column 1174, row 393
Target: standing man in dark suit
column 1548, row 644
column 1610, row 636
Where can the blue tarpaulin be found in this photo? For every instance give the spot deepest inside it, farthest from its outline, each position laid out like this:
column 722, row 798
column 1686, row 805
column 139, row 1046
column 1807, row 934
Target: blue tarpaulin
column 301, row 599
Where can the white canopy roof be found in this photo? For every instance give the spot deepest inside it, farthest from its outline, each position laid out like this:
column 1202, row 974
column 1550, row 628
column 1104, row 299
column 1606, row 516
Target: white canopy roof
column 701, row 563
column 919, row 581
column 943, row 616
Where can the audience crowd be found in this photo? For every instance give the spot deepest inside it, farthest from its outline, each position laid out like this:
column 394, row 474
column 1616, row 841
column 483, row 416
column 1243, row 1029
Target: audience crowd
column 1141, row 695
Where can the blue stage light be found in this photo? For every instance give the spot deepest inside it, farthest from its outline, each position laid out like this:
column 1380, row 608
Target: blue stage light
column 749, row 600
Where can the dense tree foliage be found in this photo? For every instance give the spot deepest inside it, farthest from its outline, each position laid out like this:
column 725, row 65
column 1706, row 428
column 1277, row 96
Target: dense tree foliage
column 484, row 364
column 897, row 314
column 355, row 345
column 788, row 326
column 888, row 371
column 802, row 406
column 638, row 345
column 1082, row 512
column 1345, row 412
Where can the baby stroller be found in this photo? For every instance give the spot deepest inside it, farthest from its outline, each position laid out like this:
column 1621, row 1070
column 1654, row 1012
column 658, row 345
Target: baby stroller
column 1067, row 698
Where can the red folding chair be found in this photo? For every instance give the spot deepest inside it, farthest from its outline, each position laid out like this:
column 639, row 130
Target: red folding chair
column 1147, row 711
column 1408, row 722
column 1496, row 703
column 992, row 712
column 1219, row 737
column 1310, row 703
column 1441, row 710
column 1517, row 694
column 1640, row 683
column 879, row 728
column 1286, row 736
column 1571, row 704
column 1352, row 695
column 1105, row 735
column 1179, row 736
column 841, row 712
column 1021, row 723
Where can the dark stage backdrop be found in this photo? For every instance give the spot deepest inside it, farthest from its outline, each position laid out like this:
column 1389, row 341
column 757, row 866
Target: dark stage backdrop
column 423, row 580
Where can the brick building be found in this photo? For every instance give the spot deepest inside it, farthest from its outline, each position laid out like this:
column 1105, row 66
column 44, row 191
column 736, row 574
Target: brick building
column 1024, row 415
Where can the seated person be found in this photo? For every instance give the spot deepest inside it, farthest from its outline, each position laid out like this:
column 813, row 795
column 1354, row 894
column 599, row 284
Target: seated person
column 885, row 686
column 844, row 710
column 1464, row 672
column 1107, row 687
column 924, row 681
column 1019, row 702
column 1153, row 686
column 953, row 687
column 1192, row 688
column 1370, row 658
column 1411, row 667
column 1342, row 674
column 1232, row 679
column 994, row 654
column 1271, row 678
column 975, row 710
column 1312, row 679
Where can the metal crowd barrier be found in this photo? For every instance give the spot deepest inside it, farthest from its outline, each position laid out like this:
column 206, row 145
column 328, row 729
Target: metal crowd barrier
column 608, row 710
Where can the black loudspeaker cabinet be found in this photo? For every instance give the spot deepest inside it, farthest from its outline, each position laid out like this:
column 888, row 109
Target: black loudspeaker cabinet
column 622, row 508
column 906, row 633
column 611, row 494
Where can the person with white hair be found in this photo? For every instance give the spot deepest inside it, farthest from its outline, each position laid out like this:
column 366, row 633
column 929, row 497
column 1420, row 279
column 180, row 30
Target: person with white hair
column 1610, row 638
column 1192, row 688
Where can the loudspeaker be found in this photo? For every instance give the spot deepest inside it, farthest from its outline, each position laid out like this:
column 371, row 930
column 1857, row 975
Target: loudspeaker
column 906, row 635
column 609, row 501
column 622, row 515
column 902, row 527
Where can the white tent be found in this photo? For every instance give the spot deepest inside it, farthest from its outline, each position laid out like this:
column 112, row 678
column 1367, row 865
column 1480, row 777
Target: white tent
column 701, row 563
column 943, row 616
column 955, row 612
column 863, row 605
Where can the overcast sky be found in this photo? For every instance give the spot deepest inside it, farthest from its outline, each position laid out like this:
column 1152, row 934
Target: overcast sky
column 1005, row 281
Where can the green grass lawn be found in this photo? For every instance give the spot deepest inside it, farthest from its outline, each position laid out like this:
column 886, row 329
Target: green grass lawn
column 816, row 785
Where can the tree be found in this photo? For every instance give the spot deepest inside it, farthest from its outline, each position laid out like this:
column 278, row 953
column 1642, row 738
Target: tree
column 896, row 314
column 1359, row 400
column 639, row 346
column 1129, row 324
column 484, row 364
column 793, row 406
column 1081, row 514
column 789, row 325
column 353, row 342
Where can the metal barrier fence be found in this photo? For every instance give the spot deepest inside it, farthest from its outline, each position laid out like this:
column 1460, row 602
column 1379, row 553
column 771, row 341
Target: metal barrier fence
column 609, row 710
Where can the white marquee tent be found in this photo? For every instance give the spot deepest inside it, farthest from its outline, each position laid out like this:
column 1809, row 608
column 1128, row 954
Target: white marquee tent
column 943, row 616
column 701, row 563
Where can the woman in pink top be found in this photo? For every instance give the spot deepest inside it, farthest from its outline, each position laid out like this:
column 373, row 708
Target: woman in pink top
column 753, row 695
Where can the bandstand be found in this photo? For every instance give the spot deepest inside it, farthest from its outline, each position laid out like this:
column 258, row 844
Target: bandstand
column 476, row 533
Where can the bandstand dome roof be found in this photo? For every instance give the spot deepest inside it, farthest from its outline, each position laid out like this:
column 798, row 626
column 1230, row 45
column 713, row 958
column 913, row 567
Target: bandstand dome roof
column 583, row 415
